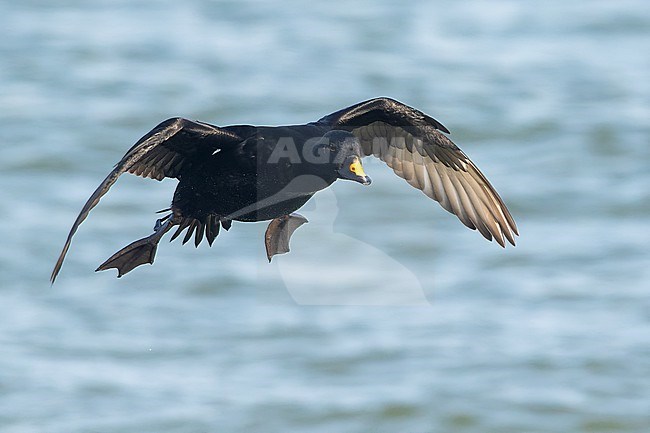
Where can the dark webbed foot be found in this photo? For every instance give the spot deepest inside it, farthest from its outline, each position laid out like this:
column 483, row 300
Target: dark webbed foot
column 137, row 253
column 279, row 232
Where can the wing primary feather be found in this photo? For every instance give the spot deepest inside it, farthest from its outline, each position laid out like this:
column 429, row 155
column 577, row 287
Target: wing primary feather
column 90, row 204
column 161, row 163
column 380, row 150
column 490, row 220
column 465, row 202
column 147, row 170
column 394, row 152
column 494, row 220
column 170, row 162
column 454, row 199
column 438, row 188
column 408, row 166
column 420, row 172
column 498, row 209
column 503, row 210
column 481, row 211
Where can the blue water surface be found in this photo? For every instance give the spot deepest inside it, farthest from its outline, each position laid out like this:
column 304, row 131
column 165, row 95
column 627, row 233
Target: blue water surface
column 388, row 315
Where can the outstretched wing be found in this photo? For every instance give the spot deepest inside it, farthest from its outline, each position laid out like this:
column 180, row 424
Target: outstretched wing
column 410, row 142
column 168, row 150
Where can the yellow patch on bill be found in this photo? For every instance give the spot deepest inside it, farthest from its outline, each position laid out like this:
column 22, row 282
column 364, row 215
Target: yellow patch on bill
column 357, row 168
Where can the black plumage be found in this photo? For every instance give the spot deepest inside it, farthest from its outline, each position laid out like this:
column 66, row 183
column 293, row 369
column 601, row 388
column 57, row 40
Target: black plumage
column 255, row 173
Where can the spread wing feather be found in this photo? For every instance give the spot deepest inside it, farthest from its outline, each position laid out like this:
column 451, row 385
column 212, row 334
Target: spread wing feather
column 414, row 146
column 168, row 150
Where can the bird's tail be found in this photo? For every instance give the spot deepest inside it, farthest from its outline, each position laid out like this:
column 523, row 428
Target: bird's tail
column 209, row 225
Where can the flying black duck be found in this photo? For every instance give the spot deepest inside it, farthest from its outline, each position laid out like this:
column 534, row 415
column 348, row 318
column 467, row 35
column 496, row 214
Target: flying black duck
column 258, row 173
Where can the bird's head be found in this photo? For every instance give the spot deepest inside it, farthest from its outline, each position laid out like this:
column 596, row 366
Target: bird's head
column 344, row 151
